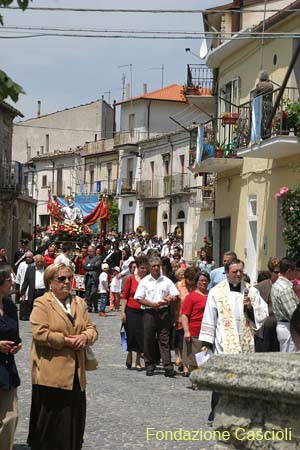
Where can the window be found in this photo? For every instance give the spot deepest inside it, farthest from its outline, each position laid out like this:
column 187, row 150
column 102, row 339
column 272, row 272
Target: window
column 44, row 181
column 92, row 178
column 130, row 172
column 41, row 149
column 47, row 143
column 230, row 96
column 131, row 124
column 109, row 170
column 128, row 223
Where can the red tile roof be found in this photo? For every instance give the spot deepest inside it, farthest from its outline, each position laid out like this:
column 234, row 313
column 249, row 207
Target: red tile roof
column 172, row 93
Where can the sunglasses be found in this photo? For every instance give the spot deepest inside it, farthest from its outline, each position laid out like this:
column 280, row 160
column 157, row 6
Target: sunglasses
column 62, row 279
column 276, row 271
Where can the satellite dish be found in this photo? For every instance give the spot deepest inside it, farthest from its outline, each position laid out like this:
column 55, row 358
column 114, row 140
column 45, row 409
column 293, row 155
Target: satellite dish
column 205, row 47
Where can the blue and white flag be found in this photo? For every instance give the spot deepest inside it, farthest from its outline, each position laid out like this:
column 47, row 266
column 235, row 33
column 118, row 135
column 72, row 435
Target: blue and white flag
column 119, row 186
column 200, row 143
column 256, row 120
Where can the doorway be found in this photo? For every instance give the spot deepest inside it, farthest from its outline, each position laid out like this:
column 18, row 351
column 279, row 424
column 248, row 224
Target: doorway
column 252, row 230
column 224, row 236
column 151, row 220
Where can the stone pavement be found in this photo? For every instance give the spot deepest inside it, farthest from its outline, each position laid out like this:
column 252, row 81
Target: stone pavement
column 122, row 403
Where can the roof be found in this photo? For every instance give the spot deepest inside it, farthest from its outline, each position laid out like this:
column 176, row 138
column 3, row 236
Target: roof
column 66, row 109
column 172, row 93
column 277, row 17
column 231, row 5
column 228, row 47
column 11, row 109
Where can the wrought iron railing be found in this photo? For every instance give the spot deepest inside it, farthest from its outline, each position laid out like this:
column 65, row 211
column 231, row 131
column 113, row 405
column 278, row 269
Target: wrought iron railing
column 199, row 75
column 11, row 176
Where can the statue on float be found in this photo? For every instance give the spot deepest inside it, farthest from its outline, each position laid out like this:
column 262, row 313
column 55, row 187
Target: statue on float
column 71, row 213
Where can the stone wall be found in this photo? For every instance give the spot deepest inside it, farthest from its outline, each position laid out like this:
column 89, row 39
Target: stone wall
column 260, row 400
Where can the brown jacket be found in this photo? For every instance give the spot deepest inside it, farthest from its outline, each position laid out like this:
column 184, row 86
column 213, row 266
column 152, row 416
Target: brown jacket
column 52, row 362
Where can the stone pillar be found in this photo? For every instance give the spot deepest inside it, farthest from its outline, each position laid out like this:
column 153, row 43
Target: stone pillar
column 259, row 407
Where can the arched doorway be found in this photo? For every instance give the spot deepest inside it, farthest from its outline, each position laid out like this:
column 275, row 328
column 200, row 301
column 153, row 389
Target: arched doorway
column 165, row 224
column 180, row 222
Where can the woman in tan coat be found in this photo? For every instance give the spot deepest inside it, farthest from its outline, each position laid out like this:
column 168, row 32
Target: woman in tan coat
column 61, row 328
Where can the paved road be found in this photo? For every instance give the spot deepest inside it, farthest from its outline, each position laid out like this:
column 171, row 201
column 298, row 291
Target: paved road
column 122, row 403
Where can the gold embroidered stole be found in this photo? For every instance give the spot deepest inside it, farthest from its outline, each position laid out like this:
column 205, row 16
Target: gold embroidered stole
column 233, row 342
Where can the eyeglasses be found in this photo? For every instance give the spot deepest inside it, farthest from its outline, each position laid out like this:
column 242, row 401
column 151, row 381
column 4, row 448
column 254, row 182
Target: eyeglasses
column 62, row 279
column 276, row 271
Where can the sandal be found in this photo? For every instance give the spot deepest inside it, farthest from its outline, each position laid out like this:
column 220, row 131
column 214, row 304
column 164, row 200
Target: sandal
column 129, row 360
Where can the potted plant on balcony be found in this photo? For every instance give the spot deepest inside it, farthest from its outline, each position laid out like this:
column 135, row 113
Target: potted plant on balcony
column 219, row 148
column 292, row 110
column 229, row 118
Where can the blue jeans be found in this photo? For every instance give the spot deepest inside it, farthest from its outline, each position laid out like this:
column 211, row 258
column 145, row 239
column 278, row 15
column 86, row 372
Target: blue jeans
column 103, row 301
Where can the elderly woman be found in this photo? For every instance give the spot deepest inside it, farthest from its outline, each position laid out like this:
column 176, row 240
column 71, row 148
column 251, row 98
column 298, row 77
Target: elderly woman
column 9, row 346
column 192, row 312
column 61, row 329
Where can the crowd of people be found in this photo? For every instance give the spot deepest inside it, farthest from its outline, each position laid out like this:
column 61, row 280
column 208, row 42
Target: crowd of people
column 165, row 304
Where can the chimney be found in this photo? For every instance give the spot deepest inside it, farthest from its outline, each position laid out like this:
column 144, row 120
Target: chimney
column 39, row 108
column 236, row 18
column 145, row 88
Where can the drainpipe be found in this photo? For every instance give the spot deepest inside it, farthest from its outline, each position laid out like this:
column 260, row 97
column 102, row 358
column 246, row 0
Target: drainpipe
column 114, row 118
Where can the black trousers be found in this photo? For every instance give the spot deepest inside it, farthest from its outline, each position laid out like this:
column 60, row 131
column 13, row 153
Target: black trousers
column 157, row 322
column 91, row 296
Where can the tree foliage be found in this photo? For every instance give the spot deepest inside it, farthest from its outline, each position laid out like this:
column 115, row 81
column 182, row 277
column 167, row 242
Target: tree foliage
column 290, row 211
column 114, row 214
column 8, row 87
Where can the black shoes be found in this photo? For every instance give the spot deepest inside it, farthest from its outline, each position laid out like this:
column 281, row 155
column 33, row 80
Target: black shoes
column 150, row 372
column 169, row 373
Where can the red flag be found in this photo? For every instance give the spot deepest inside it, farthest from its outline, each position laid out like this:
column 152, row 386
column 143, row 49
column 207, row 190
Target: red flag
column 54, row 207
column 100, row 212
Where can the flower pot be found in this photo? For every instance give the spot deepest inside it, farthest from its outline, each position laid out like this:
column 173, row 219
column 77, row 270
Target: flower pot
column 219, row 153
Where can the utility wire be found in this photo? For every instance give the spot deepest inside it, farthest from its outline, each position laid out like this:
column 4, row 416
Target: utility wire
column 151, row 11
column 240, row 37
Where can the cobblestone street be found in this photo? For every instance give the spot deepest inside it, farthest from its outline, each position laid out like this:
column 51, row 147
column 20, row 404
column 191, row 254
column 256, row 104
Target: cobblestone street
column 122, row 403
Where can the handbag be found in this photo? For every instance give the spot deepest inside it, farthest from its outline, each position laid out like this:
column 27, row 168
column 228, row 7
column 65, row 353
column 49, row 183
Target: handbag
column 91, row 362
column 123, row 338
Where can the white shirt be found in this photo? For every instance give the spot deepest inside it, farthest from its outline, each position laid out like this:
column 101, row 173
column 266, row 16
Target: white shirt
column 63, row 259
column 115, row 285
column 39, row 279
column 103, row 282
column 155, row 290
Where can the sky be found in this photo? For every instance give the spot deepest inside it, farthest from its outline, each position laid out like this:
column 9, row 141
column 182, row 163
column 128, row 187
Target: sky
column 63, row 72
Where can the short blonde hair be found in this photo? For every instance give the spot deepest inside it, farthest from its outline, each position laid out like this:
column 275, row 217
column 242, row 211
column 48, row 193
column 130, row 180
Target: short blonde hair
column 179, row 272
column 52, row 271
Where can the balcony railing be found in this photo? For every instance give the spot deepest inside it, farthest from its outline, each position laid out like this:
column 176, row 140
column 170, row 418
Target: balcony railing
column 203, row 197
column 149, row 189
column 199, row 76
column 225, row 135
column 11, row 177
column 177, row 184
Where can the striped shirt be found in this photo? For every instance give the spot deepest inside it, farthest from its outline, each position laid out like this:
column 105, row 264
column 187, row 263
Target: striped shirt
column 284, row 299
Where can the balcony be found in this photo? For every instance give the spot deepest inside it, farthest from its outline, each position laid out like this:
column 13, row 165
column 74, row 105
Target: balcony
column 127, row 186
column 148, row 189
column 199, row 87
column 277, row 140
column 108, row 187
column 177, row 184
column 11, row 178
column 203, row 198
column 219, row 153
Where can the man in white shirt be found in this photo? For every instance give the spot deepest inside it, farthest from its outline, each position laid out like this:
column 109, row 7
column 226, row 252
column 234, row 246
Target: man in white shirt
column 23, row 266
column 155, row 292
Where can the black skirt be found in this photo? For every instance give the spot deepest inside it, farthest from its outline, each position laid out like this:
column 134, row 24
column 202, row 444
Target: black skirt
column 57, row 418
column 134, row 328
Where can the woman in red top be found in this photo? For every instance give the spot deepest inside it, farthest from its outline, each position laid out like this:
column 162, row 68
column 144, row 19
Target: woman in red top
column 192, row 312
column 132, row 314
